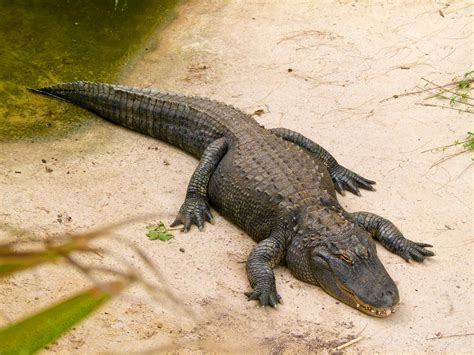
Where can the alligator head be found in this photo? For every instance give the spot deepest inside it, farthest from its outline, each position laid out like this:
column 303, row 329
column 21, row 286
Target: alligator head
column 343, row 261
column 349, row 269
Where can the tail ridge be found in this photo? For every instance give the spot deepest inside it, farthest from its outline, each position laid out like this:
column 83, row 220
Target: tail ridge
column 167, row 117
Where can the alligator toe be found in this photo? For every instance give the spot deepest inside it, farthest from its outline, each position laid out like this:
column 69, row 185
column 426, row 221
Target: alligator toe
column 345, row 179
column 416, row 251
column 195, row 210
column 265, row 298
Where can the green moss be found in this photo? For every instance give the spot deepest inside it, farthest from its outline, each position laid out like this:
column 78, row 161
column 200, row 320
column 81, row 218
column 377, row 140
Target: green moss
column 49, row 41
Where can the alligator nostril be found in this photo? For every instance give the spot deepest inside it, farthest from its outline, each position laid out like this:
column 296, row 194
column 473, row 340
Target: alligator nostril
column 390, row 298
column 387, row 293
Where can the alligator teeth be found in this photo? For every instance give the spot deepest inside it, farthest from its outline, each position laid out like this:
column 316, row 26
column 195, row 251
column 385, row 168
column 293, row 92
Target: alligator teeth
column 375, row 311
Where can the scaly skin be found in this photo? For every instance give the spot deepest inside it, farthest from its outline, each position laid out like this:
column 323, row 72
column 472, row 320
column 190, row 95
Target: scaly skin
column 277, row 185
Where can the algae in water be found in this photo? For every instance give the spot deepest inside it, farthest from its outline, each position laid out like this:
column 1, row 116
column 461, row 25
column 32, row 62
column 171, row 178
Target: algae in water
column 49, row 41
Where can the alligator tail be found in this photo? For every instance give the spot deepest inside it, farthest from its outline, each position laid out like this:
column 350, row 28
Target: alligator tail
column 168, row 117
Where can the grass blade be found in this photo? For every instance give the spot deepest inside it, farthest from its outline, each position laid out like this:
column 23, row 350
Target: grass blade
column 35, row 332
column 15, row 261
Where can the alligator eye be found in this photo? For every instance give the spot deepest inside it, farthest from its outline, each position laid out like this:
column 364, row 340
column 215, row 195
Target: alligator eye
column 345, row 258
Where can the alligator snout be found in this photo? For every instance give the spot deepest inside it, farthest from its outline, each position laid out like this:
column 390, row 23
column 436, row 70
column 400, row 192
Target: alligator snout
column 389, row 298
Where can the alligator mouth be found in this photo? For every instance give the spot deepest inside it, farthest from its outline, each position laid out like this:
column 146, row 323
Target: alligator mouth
column 373, row 311
column 370, row 310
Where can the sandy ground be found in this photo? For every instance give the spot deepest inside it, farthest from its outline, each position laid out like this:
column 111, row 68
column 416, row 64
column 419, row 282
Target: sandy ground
column 323, row 70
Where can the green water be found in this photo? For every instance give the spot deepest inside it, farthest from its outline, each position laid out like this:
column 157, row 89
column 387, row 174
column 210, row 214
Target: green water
column 51, row 41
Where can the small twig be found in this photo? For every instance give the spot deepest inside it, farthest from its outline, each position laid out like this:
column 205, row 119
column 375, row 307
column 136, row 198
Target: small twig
column 448, row 107
column 442, row 160
column 453, row 100
column 465, row 169
column 425, row 90
column 447, row 90
column 349, row 343
column 444, row 147
column 451, row 336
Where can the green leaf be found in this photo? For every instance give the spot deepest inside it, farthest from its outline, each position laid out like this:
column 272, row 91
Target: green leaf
column 152, row 235
column 35, row 332
column 158, row 231
column 463, row 84
column 165, row 236
column 12, row 261
column 453, row 100
column 469, row 142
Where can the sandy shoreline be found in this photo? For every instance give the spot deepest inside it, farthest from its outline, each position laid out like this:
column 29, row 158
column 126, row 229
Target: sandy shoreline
column 324, row 71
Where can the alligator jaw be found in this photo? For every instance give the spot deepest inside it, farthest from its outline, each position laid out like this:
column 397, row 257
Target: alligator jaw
column 376, row 312
column 365, row 308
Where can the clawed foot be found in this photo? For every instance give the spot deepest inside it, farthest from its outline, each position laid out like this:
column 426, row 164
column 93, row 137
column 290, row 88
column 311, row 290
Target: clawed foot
column 345, row 179
column 415, row 251
column 195, row 210
column 266, row 298
column 391, row 238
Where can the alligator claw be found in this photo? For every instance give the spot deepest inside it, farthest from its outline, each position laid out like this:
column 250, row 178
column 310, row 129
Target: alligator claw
column 391, row 238
column 195, row 210
column 345, row 179
column 415, row 251
column 265, row 298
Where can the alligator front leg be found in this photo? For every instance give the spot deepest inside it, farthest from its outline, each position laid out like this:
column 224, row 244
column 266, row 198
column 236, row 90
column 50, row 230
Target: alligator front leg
column 264, row 257
column 195, row 208
column 344, row 179
column 391, row 238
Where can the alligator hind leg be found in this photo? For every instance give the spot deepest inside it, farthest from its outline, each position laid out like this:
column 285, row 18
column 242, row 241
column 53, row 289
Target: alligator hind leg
column 391, row 238
column 195, row 208
column 344, row 179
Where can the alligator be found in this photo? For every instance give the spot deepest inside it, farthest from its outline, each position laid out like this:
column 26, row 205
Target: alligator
column 277, row 185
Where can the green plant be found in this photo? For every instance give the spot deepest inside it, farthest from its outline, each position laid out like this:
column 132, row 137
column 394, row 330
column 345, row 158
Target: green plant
column 467, row 143
column 38, row 330
column 458, row 93
column 158, row 231
column 34, row 332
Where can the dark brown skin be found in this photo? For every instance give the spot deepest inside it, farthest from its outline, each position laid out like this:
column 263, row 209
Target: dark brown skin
column 277, row 185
